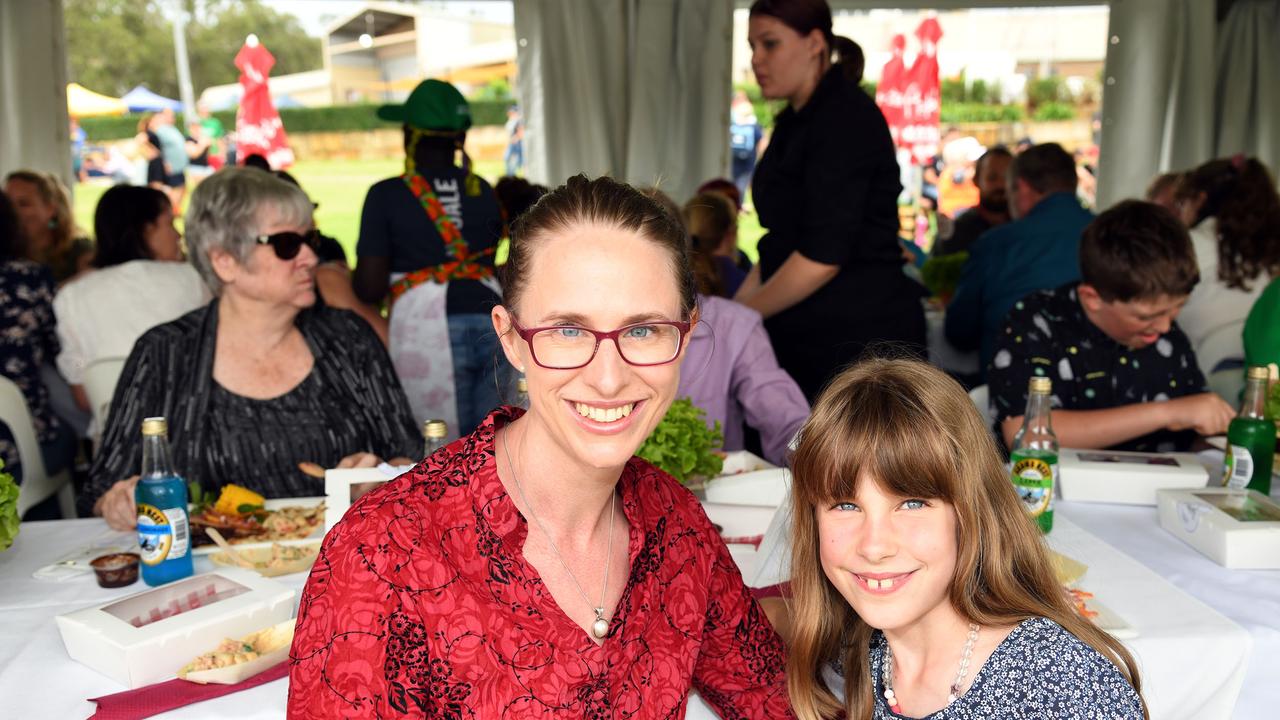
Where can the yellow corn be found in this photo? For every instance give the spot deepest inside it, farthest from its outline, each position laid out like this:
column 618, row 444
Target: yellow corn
column 233, row 496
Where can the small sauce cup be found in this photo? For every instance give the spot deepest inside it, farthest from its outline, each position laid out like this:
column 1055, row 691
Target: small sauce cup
column 116, row 570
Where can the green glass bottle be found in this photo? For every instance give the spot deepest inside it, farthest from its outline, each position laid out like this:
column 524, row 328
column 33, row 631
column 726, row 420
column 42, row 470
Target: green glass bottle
column 1251, row 438
column 1034, row 458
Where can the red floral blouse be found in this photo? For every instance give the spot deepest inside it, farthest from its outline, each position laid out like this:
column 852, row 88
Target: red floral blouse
column 421, row 604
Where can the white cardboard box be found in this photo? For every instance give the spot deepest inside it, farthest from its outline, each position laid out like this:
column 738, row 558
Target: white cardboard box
column 1236, row 528
column 748, row 480
column 1129, row 478
column 146, row 637
column 339, row 484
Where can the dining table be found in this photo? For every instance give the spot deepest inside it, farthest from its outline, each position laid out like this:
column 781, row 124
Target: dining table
column 1206, row 638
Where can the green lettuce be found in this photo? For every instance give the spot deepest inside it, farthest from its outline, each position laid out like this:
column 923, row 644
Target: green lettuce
column 9, row 519
column 682, row 445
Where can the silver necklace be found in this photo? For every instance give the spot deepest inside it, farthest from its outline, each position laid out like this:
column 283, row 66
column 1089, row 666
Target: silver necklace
column 600, row 627
column 955, row 686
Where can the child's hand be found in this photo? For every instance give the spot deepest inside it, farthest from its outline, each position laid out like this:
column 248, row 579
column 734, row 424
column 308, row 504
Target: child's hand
column 1206, row 413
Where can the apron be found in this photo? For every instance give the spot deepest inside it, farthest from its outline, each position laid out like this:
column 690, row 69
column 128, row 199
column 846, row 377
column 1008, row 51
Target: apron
column 419, row 329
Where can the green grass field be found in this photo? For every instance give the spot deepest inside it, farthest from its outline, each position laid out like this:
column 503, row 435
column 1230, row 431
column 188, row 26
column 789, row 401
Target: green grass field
column 339, row 187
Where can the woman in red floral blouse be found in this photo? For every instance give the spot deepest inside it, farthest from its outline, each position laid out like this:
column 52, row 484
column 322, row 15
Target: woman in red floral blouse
column 535, row 568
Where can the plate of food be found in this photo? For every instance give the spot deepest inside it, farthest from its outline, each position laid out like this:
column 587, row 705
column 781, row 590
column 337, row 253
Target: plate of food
column 1069, row 571
column 248, row 520
column 277, row 560
column 234, row 661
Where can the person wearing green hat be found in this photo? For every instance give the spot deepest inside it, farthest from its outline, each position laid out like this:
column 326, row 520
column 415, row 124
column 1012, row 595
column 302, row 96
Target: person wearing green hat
column 427, row 242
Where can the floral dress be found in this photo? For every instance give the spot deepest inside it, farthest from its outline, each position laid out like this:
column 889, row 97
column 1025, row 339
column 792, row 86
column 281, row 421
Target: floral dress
column 28, row 339
column 421, row 605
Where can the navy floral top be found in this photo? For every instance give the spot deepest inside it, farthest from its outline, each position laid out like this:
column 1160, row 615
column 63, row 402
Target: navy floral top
column 27, row 341
column 1039, row 671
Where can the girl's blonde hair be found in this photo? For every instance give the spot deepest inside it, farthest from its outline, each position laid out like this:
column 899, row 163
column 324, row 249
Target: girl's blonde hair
column 915, row 431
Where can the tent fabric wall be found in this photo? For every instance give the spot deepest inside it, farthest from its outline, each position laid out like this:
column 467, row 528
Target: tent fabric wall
column 34, row 127
column 1248, row 65
column 1182, row 89
column 636, row 90
column 1158, row 82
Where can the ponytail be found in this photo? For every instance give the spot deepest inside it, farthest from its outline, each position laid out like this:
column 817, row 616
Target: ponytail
column 848, row 57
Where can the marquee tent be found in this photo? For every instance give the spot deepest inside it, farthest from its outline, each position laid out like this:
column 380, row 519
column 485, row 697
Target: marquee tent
column 141, row 99
column 83, row 102
column 641, row 89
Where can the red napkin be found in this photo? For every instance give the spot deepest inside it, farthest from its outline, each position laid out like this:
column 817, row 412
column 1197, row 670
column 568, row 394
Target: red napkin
column 782, row 590
column 151, row 700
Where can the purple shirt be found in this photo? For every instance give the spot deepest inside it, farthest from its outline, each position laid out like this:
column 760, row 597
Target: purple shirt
column 730, row 371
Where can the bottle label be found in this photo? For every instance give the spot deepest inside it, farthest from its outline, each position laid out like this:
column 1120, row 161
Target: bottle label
column 1033, row 478
column 162, row 534
column 1238, row 468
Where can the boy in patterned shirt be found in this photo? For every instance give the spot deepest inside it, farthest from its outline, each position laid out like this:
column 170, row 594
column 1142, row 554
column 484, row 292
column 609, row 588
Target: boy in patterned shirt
column 1124, row 375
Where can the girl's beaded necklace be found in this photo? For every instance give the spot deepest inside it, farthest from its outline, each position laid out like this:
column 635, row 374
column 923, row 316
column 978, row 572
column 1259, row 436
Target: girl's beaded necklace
column 956, row 686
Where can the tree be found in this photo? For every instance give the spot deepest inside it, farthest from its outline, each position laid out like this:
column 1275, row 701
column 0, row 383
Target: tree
column 113, row 45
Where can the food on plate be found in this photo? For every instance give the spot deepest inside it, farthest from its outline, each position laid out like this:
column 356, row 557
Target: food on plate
column 276, row 560
column 239, row 515
column 236, row 660
column 1080, row 600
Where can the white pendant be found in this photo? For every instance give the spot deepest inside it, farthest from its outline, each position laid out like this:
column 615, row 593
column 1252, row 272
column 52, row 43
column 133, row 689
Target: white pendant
column 600, row 628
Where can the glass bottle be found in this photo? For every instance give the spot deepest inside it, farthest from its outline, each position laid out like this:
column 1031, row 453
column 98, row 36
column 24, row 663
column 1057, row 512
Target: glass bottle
column 1034, row 457
column 522, row 393
column 434, row 433
column 1251, row 438
column 164, row 530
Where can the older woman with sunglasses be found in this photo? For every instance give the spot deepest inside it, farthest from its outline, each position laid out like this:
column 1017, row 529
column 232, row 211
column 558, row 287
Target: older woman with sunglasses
column 261, row 378
column 535, row 568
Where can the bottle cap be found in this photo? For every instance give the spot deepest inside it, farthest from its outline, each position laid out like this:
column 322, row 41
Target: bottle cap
column 435, row 429
column 1042, row 385
column 522, row 385
column 154, row 426
column 1259, row 372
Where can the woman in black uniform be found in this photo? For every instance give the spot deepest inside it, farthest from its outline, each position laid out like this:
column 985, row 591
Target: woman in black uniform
column 829, row 281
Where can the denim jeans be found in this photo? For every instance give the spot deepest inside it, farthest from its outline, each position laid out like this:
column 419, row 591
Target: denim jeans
column 481, row 376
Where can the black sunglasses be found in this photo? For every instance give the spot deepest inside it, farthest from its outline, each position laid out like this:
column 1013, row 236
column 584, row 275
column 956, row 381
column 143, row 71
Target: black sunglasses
column 288, row 244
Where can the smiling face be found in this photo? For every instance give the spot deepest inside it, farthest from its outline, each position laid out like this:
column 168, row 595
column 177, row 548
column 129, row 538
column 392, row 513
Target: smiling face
column 891, row 558
column 599, row 277
column 786, row 64
column 264, row 277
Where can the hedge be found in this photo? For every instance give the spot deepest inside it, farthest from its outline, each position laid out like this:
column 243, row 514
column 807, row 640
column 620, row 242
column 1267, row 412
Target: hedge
column 980, row 112
column 335, row 118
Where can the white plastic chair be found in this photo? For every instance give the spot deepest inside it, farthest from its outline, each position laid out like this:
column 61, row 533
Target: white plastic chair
column 36, row 483
column 1223, row 343
column 100, row 378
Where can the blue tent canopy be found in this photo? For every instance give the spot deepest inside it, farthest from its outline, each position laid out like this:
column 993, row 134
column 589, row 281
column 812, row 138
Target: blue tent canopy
column 141, row 99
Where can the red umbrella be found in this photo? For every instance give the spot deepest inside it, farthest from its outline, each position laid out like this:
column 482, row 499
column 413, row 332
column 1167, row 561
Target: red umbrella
column 924, row 97
column 889, row 93
column 258, row 127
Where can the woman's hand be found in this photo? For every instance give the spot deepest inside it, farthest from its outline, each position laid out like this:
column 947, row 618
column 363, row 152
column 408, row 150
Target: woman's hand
column 117, row 507
column 797, row 279
column 359, row 460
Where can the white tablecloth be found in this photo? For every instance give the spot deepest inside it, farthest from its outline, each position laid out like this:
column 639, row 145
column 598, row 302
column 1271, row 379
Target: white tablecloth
column 1195, row 660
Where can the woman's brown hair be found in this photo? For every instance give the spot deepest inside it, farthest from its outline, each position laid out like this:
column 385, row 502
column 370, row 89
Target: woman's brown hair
column 805, row 16
column 709, row 217
column 909, row 427
column 602, row 201
column 53, row 193
column 1241, row 194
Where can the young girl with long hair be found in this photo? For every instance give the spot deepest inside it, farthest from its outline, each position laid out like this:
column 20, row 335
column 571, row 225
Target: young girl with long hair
column 919, row 576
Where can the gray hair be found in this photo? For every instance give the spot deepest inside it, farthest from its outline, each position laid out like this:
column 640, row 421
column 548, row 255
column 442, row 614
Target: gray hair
column 226, row 214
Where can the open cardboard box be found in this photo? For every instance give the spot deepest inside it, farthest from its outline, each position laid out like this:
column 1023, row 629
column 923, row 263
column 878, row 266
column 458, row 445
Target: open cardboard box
column 1236, row 528
column 748, row 480
column 147, row 637
column 1129, row 478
